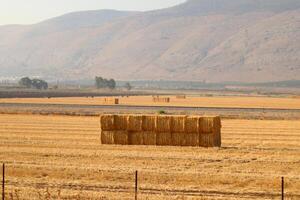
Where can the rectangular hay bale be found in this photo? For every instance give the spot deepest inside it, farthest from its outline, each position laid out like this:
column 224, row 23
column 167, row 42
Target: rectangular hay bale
column 207, row 124
column 164, row 139
column 178, row 139
column 191, row 139
column 149, row 123
column 217, row 138
column 206, row 140
column 134, row 123
column 121, row 137
column 135, row 138
column 192, row 124
column 107, row 137
column 163, row 123
column 217, row 132
column 178, row 124
column 120, row 122
column 107, row 122
column 149, row 138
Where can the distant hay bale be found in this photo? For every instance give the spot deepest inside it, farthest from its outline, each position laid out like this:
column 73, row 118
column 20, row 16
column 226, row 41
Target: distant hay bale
column 163, row 123
column 134, row 123
column 161, row 99
column 111, row 101
column 161, row 130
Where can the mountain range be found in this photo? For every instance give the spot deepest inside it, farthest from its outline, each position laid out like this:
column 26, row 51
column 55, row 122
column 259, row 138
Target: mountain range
column 199, row 40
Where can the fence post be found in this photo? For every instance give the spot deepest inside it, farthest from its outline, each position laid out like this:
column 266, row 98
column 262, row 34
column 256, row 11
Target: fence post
column 282, row 188
column 136, row 184
column 3, row 181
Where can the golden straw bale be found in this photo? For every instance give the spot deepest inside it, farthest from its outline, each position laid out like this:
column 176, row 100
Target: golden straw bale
column 164, row 138
column 149, row 123
column 121, row 137
column 149, row 138
column 135, row 138
column 107, row 122
column 192, row 124
column 134, row 123
column 217, row 122
column 191, row 139
column 163, row 123
column 120, row 122
column 217, row 132
column 107, row 137
column 206, row 140
column 207, row 124
column 217, row 138
column 178, row 124
column 178, row 139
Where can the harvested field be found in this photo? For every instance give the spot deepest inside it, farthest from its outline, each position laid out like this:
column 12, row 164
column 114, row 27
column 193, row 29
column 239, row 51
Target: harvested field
column 64, row 154
column 217, row 102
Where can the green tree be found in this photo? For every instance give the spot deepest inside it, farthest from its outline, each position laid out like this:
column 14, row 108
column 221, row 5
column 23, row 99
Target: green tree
column 39, row 84
column 111, row 84
column 104, row 83
column 128, row 86
column 99, row 81
column 25, row 82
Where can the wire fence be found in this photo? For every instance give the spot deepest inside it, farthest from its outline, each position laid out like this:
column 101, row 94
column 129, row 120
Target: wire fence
column 126, row 185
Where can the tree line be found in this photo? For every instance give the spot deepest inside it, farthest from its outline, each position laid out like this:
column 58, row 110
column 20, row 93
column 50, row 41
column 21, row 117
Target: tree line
column 105, row 83
column 108, row 83
column 100, row 83
column 33, row 83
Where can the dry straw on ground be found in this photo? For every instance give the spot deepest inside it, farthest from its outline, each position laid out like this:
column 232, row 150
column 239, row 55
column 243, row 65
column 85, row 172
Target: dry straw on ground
column 162, row 130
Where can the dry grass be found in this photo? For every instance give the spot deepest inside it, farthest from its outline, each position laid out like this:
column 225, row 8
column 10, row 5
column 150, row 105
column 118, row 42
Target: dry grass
column 227, row 102
column 64, row 154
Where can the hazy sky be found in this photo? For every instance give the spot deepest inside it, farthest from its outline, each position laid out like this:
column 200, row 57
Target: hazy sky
column 32, row 11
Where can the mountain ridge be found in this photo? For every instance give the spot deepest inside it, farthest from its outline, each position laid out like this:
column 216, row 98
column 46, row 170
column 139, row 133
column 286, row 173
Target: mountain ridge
column 184, row 42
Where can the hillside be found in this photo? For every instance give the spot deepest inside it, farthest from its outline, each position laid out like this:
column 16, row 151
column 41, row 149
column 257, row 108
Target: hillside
column 212, row 40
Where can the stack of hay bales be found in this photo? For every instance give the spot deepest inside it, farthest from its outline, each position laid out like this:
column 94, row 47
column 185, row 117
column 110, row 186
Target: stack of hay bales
column 162, row 130
column 111, row 101
column 158, row 99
